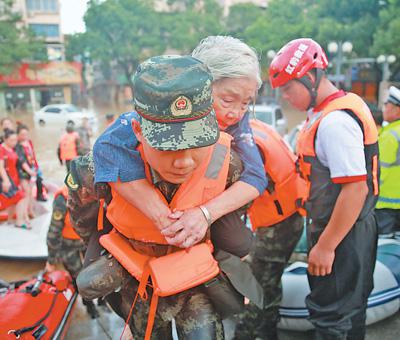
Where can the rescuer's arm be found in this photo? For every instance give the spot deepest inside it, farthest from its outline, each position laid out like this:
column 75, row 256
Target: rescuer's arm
column 54, row 234
column 345, row 213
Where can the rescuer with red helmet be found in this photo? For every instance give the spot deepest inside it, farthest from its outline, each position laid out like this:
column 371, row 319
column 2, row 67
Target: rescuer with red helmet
column 338, row 158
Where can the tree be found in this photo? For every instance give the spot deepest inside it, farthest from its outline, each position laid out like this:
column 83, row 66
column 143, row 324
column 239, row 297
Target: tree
column 240, row 17
column 386, row 37
column 282, row 21
column 124, row 32
column 17, row 43
column 354, row 21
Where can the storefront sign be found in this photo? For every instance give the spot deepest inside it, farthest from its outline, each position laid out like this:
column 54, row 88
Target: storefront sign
column 54, row 73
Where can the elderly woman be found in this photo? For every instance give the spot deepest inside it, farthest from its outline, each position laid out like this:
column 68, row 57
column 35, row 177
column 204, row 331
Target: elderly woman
column 236, row 74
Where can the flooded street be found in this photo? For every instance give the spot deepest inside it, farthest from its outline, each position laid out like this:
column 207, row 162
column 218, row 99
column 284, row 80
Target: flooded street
column 109, row 326
column 45, row 140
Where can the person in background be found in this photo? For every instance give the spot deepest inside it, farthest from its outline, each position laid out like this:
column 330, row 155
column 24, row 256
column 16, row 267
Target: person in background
column 388, row 207
column 69, row 146
column 29, row 167
column 338, row 158
column 12, row 197
column 64, row 244
column 5, row 123
column 85, row 133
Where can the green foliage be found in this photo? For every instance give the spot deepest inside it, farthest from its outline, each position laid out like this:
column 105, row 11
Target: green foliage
column 122, row 31
column 387, row 37
column 240, row 17
column 125, row 32
column 354, row 21
column 16, row 43
column 283, row 21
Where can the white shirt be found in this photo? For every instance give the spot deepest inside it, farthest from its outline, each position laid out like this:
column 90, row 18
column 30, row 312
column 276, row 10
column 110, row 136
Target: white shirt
column 339, row 146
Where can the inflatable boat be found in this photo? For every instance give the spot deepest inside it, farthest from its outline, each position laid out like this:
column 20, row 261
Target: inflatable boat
column 37, row 308
column 383, row 302
column 23, row 244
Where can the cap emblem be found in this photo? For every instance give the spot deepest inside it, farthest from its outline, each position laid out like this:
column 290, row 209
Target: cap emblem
column 182, row 106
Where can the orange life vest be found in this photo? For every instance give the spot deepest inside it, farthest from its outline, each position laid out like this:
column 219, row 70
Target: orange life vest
column 321, row 191
column 68, row 149
column 191, row 267
column 206, row 182
column 286, row 189
column 68, row 232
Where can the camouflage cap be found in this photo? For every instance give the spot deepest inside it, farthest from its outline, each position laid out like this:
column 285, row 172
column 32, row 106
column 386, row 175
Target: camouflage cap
column 173, row 97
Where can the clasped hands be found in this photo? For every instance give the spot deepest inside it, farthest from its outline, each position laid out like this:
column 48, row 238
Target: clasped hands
column 182, row 228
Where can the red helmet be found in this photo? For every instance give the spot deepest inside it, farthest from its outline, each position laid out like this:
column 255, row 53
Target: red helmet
column 294, row 60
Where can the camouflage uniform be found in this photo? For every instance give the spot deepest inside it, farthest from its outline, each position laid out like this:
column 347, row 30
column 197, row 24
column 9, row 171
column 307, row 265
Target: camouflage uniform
column 70, row 252
column 106, row 275
column 274, row 246
column 192, row 309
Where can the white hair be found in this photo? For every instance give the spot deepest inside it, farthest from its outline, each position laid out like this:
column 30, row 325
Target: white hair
column 228, row 57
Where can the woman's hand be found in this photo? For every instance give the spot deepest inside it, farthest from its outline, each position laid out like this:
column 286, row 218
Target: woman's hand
column 188, row 230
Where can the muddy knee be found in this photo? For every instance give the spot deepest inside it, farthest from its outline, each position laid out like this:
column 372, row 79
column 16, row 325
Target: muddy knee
column 101, row 278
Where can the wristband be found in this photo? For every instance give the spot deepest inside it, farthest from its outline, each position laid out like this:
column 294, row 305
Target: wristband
column 206, row 214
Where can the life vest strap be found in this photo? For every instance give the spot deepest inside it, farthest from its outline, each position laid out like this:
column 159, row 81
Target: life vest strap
column 100, row 215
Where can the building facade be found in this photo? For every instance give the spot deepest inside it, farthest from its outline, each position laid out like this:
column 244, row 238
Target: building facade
column 43, row 17
column 33, row 85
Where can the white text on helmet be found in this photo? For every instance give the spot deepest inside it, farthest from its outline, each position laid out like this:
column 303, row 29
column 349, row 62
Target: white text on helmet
column 296, row 58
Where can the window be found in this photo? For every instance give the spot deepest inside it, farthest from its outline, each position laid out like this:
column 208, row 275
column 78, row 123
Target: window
column 53, row 110
column 71, row 108
column 49, row 6
column 45, row 30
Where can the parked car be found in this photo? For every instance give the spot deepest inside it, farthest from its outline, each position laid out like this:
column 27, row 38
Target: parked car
column 272, row 115
column 62, row 114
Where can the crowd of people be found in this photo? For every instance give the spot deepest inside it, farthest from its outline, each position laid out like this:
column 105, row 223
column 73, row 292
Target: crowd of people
column 168, row 187
column 21, row 179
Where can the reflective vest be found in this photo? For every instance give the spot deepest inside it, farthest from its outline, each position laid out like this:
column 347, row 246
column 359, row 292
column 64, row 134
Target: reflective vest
column 206, row 182
column 68, row 149
column 68, row 232
column 389, row 154
column 322, row 192
column 286, row 189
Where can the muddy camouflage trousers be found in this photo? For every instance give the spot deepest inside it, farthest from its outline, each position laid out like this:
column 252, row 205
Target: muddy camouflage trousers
column 192, row 310
column 273, row 248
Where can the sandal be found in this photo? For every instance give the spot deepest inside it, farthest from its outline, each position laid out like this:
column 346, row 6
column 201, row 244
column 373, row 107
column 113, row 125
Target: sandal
column 23, row 226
